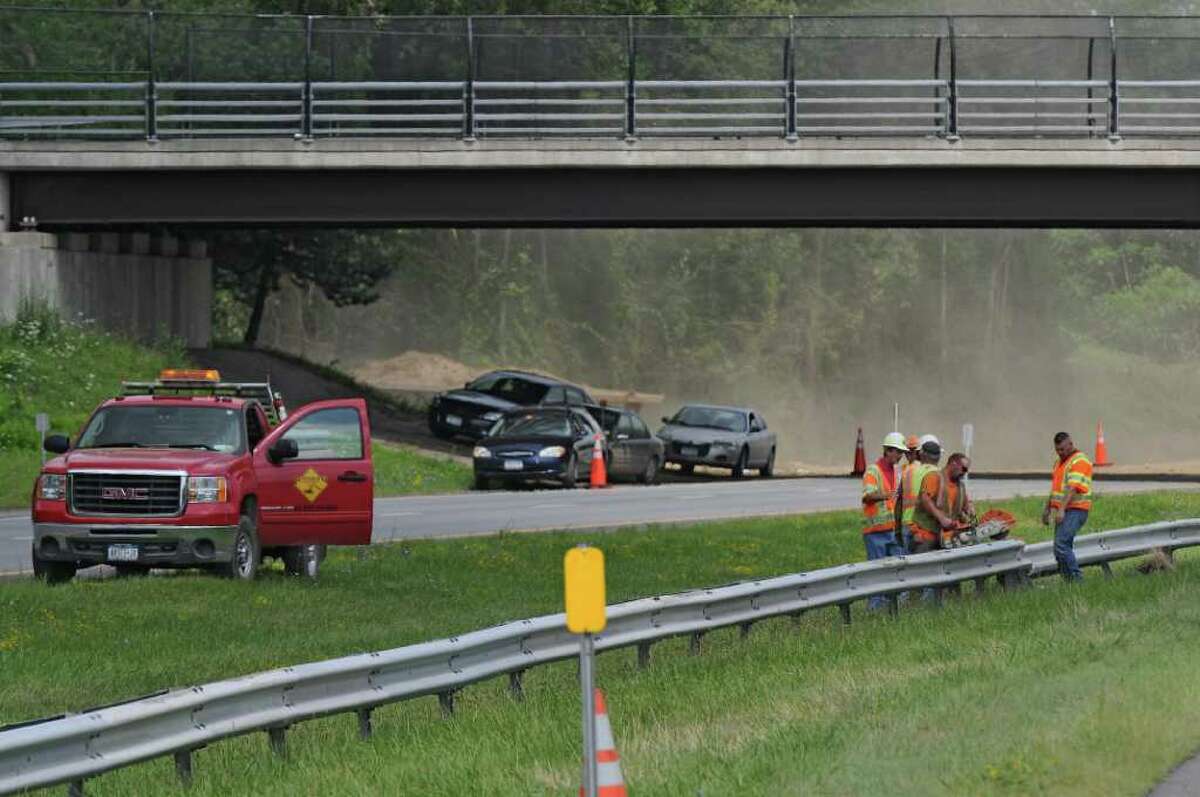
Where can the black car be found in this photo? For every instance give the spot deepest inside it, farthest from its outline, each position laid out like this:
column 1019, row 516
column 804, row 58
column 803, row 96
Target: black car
column 635, row 452
column 472, row 411
column 538, row 444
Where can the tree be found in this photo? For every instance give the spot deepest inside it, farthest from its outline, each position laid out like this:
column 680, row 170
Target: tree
column 346, row 265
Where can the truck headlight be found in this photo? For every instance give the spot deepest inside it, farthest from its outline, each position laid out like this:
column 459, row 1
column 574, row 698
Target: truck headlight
column 53, row 487
column 482, row 452
column 207, row 490
column 552, row 452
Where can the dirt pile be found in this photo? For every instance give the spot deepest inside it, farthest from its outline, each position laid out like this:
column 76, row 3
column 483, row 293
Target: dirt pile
column 415, row 370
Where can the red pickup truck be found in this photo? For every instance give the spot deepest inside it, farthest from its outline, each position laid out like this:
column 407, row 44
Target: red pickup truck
column 193, row 472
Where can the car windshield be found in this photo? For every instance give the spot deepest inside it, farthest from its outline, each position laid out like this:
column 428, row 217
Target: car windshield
column 555, row 425
column 510, row 388
column 164, row 426
column 711, row 418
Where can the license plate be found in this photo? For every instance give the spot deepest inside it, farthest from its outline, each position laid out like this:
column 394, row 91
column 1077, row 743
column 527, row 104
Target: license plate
column 453, row 420
column 687, row 451
column 122, row 553
column 514, row 464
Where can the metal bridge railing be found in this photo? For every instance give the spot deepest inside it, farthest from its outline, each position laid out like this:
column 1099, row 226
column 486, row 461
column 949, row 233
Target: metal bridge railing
column 794, row 109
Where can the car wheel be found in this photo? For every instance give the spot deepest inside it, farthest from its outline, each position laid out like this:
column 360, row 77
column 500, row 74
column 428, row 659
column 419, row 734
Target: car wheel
column 570, row 472
column 650, row 474
column 482, row 482
column 50, row 571
column 132, row 571
column 740, row 466
column 243, row 564
column 768, row 470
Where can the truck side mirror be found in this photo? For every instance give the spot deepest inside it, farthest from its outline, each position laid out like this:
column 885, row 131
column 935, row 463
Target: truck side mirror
column 57, row 444
column 282, row 449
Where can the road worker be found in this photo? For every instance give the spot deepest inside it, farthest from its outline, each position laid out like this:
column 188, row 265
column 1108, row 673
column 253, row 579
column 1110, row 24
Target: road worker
column 920, row 491
column 1069, row 503
column 912, row 452
column 879, row 505
column 952, row 497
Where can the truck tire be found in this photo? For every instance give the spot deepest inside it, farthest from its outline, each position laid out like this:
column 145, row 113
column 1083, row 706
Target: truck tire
column 50, row 571
column 570, row 472
column 247, row 554
column 650, row 474
column 303, row 560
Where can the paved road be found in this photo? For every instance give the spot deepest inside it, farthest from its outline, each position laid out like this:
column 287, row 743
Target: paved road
column 532, row 510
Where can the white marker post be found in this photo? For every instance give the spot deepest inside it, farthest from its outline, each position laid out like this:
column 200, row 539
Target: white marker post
column 583, row 569
column 896, row 417
column 42, row 422
column 968, row 438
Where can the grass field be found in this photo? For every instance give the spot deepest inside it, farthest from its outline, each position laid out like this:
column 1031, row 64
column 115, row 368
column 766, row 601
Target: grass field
column 401, row 470
column 1088, row 690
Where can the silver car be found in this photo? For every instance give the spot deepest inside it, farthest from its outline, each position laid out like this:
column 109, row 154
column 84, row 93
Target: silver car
column 726, row 437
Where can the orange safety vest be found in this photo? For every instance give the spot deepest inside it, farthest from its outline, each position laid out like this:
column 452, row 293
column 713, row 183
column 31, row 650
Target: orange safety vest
column 923, row 525
column 1071, row 483
column 879, row 515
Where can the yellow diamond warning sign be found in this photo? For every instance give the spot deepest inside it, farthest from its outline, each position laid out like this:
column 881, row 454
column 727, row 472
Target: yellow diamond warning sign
column 311, row 485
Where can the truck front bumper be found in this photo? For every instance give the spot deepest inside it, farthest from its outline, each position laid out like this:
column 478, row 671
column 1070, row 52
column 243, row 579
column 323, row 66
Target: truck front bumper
column 157, row 546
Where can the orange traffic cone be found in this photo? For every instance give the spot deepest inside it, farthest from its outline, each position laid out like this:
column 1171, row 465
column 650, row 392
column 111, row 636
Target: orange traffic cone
column 860, row 456
column 1102, row 459
column 609, row 782
column 599, row 474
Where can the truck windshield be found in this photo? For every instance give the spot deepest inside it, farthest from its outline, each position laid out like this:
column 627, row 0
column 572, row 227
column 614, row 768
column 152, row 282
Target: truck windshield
column 165, row 426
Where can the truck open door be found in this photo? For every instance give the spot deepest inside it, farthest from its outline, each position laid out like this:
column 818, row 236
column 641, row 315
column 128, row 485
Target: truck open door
column 315, row 477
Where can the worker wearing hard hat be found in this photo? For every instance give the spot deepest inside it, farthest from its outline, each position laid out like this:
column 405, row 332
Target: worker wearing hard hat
column 920, row 488
column 879, row 505
column 912, row 450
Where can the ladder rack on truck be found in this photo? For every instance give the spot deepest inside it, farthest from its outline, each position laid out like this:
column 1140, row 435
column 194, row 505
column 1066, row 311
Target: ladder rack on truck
column 207, row 383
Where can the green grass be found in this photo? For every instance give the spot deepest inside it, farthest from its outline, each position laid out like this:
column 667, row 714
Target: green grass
column 400, row 470
column 1052, row 690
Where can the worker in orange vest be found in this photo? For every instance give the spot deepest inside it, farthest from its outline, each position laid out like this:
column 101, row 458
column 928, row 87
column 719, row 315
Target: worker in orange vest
column 879, row 505
column 912, row 456
column 1069, row 503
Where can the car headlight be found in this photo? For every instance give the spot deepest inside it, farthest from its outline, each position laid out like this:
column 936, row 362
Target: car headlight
column 53, row 487
column 207, row 490
column 552, row 452
column 482, row 452
column 493, row 416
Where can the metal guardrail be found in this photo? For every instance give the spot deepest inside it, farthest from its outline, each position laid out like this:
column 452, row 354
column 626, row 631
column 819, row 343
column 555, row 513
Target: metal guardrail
column 72, row 748
column 1109, row 546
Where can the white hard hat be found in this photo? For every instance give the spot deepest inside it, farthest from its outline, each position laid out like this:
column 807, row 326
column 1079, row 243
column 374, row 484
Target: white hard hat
column 928, row 438
column 895, row 440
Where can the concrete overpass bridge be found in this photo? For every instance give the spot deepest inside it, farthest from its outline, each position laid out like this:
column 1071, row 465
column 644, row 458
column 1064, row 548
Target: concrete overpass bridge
column 127, row 120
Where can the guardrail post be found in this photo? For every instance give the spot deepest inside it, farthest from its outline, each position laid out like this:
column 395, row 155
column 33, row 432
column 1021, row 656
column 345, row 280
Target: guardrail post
column 278, row 740
column 845, row 609
column 643, row 649
column 893, row 604
column 364, row 723
column 183, row 767
column 744, row 630
column 516, row 685
column 980, row 585
column 696, row 643
column 151, row 87
column 797, row 617
column 789, row 75
column 630, row 81
column 306, row 113
column 75, row 788
column 1114, row 103
column 446, row 701
column 952, row 110
column 1107, row 568
column 469, row 85
column 1091, row 72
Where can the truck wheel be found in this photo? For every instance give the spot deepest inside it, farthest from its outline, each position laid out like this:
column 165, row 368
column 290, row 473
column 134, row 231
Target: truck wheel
column 50, row 571
column 768, row 470
column 303, row 560
column 243, row 564
column 740, row 466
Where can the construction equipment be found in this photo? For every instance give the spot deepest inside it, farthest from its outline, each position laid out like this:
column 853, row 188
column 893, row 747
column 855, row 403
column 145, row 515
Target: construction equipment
column 995, row 524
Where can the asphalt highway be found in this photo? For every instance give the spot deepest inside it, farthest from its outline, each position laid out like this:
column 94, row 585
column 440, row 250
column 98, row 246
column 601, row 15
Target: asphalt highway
column 469, row 514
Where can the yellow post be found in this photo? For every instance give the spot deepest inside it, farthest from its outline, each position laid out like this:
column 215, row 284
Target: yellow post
column 583, row 571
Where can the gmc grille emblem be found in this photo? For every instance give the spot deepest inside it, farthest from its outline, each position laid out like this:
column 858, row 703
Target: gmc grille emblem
column 125, row 493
